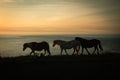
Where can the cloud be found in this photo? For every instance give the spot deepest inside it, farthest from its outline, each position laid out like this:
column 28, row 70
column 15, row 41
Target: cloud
column 108, row 9
column 101, row 12
column 7, row 1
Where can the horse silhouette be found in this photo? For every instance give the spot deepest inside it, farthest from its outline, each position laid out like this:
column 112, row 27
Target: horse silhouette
column 67, row 45
column 89, row 44
column 34, row 46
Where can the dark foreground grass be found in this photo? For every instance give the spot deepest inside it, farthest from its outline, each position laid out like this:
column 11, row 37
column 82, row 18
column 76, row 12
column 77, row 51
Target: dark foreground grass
column 97, row 67
column 108, row 57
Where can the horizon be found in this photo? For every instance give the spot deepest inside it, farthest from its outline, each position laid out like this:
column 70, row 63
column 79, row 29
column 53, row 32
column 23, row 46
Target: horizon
column 51, row 17
column 53, row 34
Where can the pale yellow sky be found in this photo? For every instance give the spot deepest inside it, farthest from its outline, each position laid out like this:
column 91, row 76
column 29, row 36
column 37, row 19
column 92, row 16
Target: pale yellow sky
column 58, row 17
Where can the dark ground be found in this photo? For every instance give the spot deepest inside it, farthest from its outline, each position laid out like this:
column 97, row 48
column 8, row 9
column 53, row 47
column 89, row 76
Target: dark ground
column 98, row 67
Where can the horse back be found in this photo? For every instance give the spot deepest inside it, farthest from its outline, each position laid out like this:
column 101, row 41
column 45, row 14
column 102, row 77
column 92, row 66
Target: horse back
column 96, row 41
column 40, row 46
column 43, row 44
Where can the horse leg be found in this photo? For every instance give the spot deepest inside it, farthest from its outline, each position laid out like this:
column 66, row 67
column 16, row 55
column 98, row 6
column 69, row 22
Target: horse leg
column 45, row 52
column 73, row 51
column 82, row 50
column 94, row 49
column 31, row 53
column 66, row 52
column 78, row 49
column 48, row 52
column 97, row 51
column 61, row 51
column 87, row 51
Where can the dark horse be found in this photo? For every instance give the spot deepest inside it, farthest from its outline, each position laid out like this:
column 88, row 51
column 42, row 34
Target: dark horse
column 89, row 44
column 34, row 46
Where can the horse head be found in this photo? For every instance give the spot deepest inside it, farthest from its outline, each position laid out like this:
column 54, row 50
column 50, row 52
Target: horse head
column 25, row 46
column 54, row 43
column 57, row 42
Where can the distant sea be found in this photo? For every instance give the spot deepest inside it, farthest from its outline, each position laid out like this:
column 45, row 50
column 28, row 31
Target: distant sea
column 12, row 45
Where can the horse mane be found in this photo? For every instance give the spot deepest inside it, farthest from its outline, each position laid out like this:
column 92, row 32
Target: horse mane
column 80, row 38
column 59, row 40
column 32, row 42
column 84, row 39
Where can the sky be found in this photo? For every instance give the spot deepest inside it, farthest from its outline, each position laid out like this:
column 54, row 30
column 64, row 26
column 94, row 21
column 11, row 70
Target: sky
column 59, row 17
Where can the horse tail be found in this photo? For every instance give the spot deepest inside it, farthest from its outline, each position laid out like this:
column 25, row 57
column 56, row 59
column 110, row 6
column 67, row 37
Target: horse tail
column 100, row 46
column 48, row 50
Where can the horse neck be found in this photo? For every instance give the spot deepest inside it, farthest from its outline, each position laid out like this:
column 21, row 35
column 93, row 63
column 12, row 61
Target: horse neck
column 29, row 46
column 61, row 42
column 83, row 40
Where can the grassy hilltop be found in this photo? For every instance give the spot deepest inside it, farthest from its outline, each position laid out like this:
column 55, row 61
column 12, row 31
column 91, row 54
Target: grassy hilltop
column 106, row 57
column 63, row 67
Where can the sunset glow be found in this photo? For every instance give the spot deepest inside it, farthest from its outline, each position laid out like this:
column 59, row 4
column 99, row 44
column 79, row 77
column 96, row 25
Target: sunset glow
column 59, row 17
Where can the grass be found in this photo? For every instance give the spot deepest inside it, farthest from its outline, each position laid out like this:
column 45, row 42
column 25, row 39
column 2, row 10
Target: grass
column 104, row 66
column 110, row 57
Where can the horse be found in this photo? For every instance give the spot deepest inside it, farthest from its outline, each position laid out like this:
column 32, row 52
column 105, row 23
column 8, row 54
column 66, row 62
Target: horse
column 34, row 46
column 67, row 45
column 89, row 44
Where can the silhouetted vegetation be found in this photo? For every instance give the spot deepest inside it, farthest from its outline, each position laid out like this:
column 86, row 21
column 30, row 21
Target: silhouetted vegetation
column 61, row 58
column 98, row 67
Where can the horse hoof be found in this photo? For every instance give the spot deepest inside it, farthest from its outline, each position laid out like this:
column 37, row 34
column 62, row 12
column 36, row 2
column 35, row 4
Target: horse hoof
column 41, row 55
